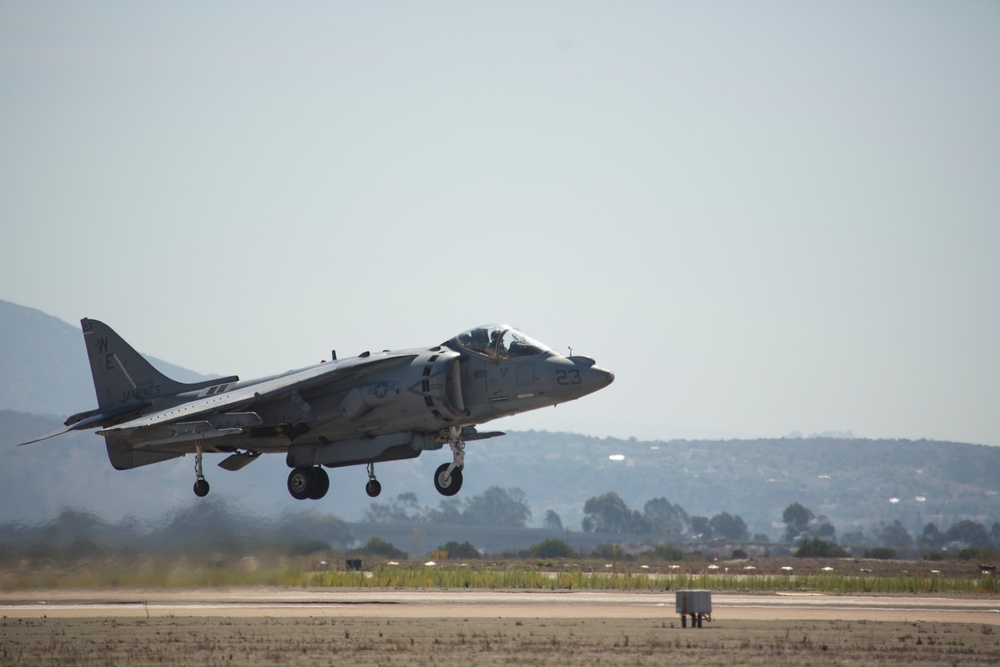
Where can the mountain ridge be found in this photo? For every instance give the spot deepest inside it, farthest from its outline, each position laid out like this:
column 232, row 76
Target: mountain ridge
column 44, row 367
column 854, row 482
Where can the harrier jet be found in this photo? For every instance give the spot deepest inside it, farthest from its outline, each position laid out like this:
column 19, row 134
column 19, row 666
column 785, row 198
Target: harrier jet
column 378, row 406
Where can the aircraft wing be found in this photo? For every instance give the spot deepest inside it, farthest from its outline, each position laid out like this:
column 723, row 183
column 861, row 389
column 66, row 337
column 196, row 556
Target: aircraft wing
column 236, row 401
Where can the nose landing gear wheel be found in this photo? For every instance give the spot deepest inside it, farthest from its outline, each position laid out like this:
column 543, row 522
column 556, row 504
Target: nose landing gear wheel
column 201, row 488
column 447, row 485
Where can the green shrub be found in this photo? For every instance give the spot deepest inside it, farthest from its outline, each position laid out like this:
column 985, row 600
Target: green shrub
column 880, row 553
column 610, row 552
column 307, row 547
column 463, row 550
column 817, row 548
column 981, row 554
column 552, row 549
column 378, row 547
column 666, row 552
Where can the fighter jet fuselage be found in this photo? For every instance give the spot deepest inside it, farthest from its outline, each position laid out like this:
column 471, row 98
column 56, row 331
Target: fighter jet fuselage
column 362, row 410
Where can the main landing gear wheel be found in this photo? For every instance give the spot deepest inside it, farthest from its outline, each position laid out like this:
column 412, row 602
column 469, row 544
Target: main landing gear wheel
column 201, row 488
column 311, row 483
column 322, row 484
column 447, row 485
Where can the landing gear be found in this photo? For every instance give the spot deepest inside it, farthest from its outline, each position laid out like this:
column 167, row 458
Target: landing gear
column 448, row 476
column 200, row 483
column 447, row 484
column 372, row 488
column 311, row 483
column 322, row 484
column 301, row 483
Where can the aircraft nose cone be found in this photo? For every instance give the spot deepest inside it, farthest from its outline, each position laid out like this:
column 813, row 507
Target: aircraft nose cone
column 574, row 377
column 598, row 378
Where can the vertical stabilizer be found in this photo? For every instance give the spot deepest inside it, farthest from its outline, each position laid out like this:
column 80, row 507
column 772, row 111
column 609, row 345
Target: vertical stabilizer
column 122, row 376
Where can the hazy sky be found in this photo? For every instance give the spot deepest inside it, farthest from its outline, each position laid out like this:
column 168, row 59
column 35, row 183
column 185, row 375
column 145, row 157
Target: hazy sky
column 766, row 217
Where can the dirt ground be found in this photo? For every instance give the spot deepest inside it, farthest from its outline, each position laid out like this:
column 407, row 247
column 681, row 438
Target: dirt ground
column 460, row 628
column 318, row 640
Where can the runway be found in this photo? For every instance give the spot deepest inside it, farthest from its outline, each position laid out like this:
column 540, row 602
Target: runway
column 485, row 604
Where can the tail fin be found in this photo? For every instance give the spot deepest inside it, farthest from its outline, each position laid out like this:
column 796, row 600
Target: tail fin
column 122, row 376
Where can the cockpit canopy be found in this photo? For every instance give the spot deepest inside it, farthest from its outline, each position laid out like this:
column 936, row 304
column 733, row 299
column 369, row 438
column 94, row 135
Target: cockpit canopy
column 497, row 341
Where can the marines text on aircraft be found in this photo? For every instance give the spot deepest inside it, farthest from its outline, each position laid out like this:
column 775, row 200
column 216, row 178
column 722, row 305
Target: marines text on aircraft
column 364, row 410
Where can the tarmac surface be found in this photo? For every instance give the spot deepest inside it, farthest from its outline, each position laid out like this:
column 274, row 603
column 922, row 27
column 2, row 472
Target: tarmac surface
column 402, row 604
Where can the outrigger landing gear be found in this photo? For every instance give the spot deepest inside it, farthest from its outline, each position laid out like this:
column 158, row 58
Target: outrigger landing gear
column 372, row 488
column 448, row 476
column 200, row 483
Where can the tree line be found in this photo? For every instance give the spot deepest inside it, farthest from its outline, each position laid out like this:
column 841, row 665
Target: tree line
column 801, row 525
column 660, row 520
column 505, row 508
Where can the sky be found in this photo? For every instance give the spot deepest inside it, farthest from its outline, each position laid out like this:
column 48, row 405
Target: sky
column 768, row 219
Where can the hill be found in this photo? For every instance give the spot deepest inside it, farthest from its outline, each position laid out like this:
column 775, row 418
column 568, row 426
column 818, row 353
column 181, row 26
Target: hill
column 853, row 482
column 44, row 367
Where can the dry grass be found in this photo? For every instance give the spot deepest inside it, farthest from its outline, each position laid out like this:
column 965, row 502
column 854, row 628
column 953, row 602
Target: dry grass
column 846, row 576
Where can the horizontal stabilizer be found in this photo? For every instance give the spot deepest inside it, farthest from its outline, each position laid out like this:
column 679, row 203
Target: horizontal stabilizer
column 64, row 429
column 90, row 419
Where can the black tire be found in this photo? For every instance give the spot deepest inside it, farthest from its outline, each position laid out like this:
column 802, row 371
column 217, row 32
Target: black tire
column 452, row 485
column 301, row 483
column 322, row 484
column 201, row 488
column 373, row 488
